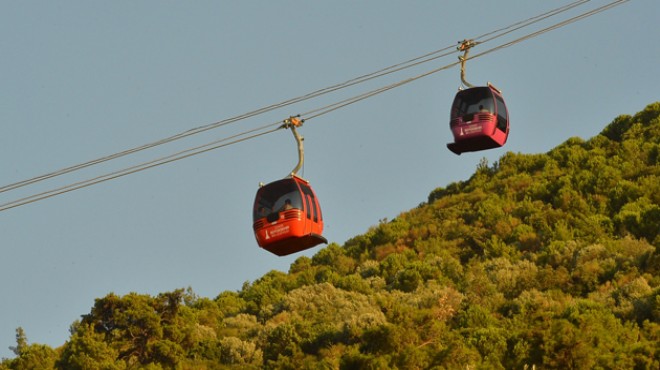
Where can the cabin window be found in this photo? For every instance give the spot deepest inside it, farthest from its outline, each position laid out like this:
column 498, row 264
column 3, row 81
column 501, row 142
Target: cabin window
column 502, row 115
column 313, row 211
column 474, row 100
column 277, row 197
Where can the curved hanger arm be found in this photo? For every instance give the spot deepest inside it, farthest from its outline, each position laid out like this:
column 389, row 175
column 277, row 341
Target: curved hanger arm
column 465, row 47
column 292, row 123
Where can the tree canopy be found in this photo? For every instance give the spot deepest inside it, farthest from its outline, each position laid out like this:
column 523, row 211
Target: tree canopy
column 549, row 260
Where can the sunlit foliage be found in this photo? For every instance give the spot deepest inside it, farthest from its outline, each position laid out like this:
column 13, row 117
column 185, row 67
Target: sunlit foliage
column 545, row 260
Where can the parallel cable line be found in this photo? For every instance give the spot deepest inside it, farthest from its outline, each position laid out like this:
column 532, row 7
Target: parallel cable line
column 551, row 28
column 220, row 143
column 329, row 108
column 382, row 72
column 224, row 142
column 518, row 25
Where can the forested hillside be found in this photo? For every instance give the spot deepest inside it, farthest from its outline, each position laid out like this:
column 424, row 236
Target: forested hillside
column 548, row 260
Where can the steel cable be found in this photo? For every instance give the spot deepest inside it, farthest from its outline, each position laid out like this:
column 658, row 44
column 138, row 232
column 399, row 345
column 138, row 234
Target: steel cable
column 382, row 72
column 241, row 137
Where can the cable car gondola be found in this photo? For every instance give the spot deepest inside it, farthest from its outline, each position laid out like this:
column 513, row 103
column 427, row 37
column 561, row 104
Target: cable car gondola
column 286, row 214
column 479, row 119
column 287, row 217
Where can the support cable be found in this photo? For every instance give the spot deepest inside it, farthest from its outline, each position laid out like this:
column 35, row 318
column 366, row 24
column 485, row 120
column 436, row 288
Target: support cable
column 329, row 108
column 221, row 143
column 260, row 131
column 382, row 72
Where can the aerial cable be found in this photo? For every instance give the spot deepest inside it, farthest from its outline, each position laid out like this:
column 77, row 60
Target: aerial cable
column 194, row 131
column 234, row 139
column 346, row 102
column 197, row 130
column 143, row 147
column 332, row 107
column 529, row 21
column 551, row 28
column 436, row 54
column 312, row 114
column 388, row 70
column 395, row 68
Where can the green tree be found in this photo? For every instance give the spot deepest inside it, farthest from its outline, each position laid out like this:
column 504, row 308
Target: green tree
column 88, row 350
column 549, row 260
column 30, row 356
column 142, row 329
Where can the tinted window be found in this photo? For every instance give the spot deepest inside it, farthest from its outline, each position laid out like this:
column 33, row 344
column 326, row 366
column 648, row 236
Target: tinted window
column 313, row 211
column 502, row 115
column 276, row 197
column 473, row 100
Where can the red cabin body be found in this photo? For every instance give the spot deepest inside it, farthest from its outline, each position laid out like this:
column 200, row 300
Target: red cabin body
column 479, row 120
column 287, row 217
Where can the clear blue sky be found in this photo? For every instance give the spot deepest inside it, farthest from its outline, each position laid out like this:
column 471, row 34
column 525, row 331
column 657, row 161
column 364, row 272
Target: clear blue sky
column 80, row 80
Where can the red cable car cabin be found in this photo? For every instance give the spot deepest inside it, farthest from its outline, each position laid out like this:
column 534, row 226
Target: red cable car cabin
column 287, row 217
column 479, row 120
